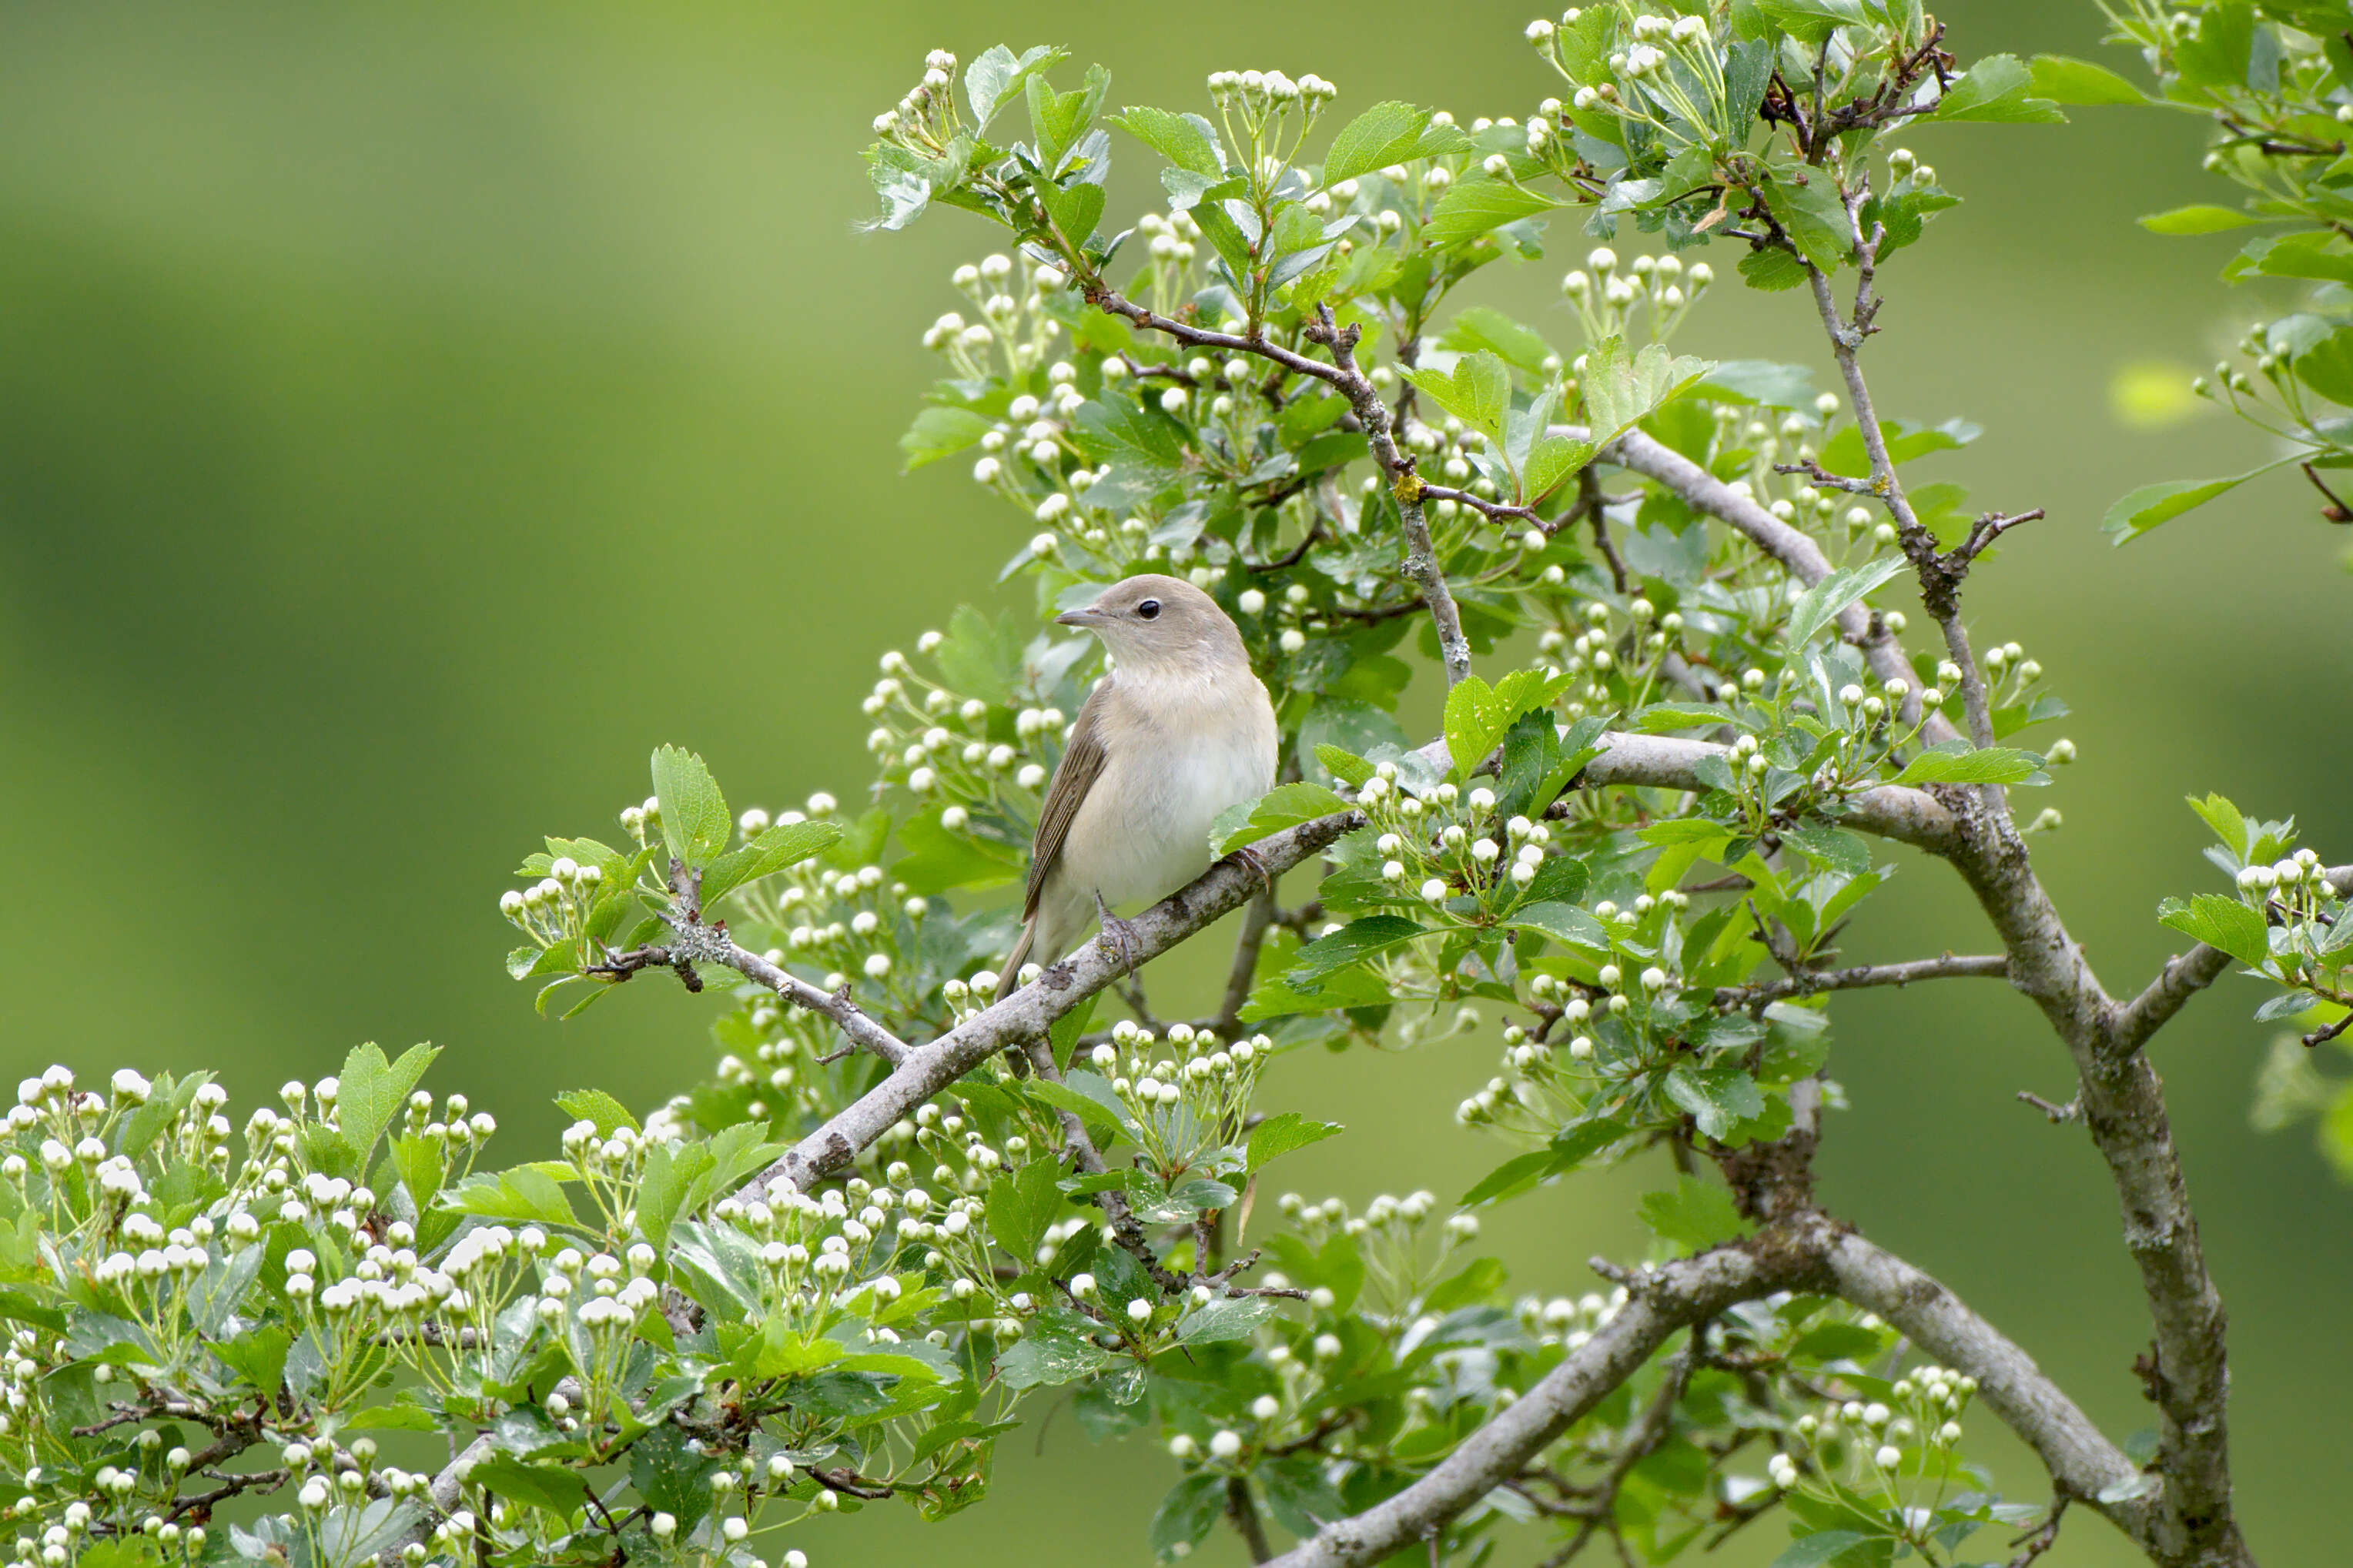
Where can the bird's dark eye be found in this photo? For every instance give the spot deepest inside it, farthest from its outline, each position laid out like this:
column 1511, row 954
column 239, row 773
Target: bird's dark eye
column 1148, row 609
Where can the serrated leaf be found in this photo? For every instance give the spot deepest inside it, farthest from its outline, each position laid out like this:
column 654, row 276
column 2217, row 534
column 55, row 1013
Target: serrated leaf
column 370, row 1092
column 1386, row 133
column 2197, row 218
column 597, row 1108
column 1184, row 140
column 2072, row 81
column 1996, row 88
column 994, row 78
column 1283, row 1134
column 1555, row 459
column 2219, row 922
column 1562, row 922
column 1477, row 390
column 1352, row 943
column 1693, row 1215
column 785, row 845
column 1285, row 805
column 1984, row 765
column 2143, row 509
column 1620, row 389
column 694, row 820
column 1476, row 206
column 522, row 1194
column 2230, row 825
column 1716, row 1097
column 1820, row 605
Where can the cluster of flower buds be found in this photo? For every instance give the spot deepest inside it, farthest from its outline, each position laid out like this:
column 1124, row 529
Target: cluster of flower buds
column 1442, row 842
column 1014, row 326
column 1391, row 1241
column 1606, row 297
column 1186, row 1094
column 1263, row 90
column 926, row 117
column 972, row 755
column 555, row 907
column 1569, row 1322
column 1914, row 1432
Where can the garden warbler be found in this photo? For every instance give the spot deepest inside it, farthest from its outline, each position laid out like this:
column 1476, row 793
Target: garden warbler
column 1179, row 731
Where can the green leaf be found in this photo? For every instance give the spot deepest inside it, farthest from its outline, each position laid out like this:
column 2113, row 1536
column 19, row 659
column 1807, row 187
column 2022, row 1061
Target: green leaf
column 1996, row 88
column 1283, row 1134
column 1477, row 390
column 1989, row 764
column 2197, row 218
column 2313, row 255
column 1186, row 1515
column 991, row 80
column 1044, row 1358
column 1021, row 1204
column 1621, row 389
column 1820, row 605
column 1075, row 208
column 259, row 1356
column 419, row 1161
column 1058, row 119
column 941, row 431
column 1475, row 207
column 370, row 1092
column 1771, row 270
column 1562, row 922
column 694, row 820
column 1694, row 1217
column 938, row 860
column 2073, row 81
column 1812, row 21
column 559, row 1490
column 1905, row 441
column 1352, row 943
column 2327, row 366
column 595, row 1106
column 1823, row 1548
column 1514, row 1175
column 1386, row 133
column 1184, row 140
column 525, row 1194
column 1481, row 326
column 1555, row 459
column 1760, row 380
column 1478, row 716
column 1816, row 219
column 2221, row 922
column 2230, row 824
column 785, row 845
column 1716, row 1097
column 1223, row 1319
column 2150, row 505
column 1285, row 805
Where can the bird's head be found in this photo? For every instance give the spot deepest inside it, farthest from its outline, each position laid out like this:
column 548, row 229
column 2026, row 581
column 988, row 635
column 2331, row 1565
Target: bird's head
column 1155, row 621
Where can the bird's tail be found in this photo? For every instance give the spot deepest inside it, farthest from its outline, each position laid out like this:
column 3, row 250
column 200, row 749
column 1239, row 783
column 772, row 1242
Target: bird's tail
column 1011, row 975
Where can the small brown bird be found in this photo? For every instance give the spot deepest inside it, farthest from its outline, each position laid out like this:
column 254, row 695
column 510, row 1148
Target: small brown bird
column 1178, row 732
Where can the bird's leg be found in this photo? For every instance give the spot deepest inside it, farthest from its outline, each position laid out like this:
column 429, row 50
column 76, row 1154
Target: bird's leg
column 1249, row 858
column 1117, row 934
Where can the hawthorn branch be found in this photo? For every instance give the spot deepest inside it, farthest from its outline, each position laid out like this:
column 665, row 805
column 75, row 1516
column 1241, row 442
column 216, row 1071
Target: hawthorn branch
column 1806, row 983
column 694, row 942
column 1793, row 548
column 1664, row 1301
column 1405, row 485
column 1029, row 1011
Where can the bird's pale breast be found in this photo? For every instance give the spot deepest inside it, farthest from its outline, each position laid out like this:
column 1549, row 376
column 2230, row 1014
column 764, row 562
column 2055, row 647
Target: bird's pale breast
column 1176, row 754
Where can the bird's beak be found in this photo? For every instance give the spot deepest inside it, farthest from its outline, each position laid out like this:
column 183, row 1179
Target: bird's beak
column 1085, row 618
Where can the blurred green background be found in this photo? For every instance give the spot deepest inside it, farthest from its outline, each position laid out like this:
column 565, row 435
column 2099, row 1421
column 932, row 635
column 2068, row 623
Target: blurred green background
column 411, row 414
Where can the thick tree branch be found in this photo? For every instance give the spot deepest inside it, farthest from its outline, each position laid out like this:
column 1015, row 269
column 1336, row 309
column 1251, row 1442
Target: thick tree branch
column 1663, row 1301
column 1028, row 1013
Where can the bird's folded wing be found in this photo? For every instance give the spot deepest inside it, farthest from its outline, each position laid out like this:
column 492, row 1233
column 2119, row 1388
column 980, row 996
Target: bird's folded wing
column 1082, row 764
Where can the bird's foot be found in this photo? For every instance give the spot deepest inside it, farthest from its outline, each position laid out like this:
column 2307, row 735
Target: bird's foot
column 1118, row 935
column 1249, row 857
